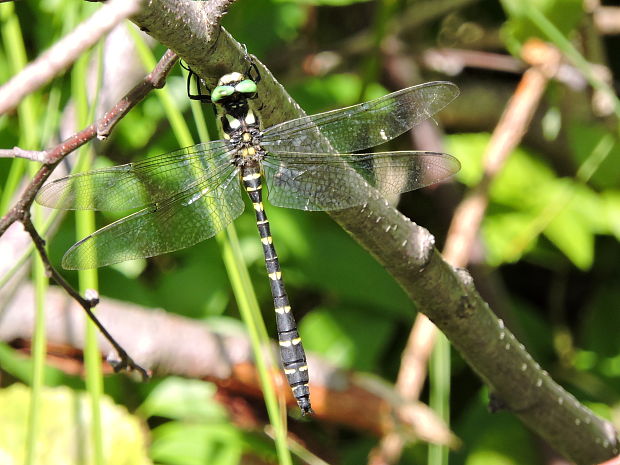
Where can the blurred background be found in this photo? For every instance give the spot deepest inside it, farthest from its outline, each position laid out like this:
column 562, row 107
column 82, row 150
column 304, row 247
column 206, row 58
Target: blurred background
column 546, row 257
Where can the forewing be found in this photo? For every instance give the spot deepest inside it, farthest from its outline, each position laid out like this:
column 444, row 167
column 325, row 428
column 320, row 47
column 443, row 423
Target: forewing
column 187, row 218
column 310, row 181
column 360, row 126
column 136, row 185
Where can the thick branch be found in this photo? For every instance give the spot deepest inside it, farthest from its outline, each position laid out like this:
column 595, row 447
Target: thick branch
column 468, row 217
column 171, row 344
column 406, row 250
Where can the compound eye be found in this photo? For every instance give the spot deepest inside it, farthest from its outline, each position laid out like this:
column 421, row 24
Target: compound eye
column 221, row 92
column 246, row 86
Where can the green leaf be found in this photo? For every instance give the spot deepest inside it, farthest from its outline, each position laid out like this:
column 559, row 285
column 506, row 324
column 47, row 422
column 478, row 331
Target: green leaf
column 573, row 228
column 279, row 21
column 469, row 149
column 341, row 335
column 525, row 183
column 611, row 205
column 183, row 399
column 583, row 139
column 500, row 230
column 65, row 436
column 598, row 317
column 334, row 91
column 498, row 439
column 573, row 238
column 196, row 444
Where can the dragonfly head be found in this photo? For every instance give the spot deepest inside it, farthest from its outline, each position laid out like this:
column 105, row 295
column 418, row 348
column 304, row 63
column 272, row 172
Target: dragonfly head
column 233, row 87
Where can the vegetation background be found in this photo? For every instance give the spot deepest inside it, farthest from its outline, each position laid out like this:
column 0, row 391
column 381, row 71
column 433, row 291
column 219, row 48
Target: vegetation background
column 547, row 256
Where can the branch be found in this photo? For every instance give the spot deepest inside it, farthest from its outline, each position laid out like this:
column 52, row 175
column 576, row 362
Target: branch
column 21, row 211
column 175, row 345
column 463, row 232
column 64, row 52
column 88, row 303
column 406, row 250
column 154, row 80
column 32, row 155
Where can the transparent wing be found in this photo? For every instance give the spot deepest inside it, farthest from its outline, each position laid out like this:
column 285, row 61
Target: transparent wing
column 185, row 219
column 323, row 181
column 136, row 185
column 360, row 126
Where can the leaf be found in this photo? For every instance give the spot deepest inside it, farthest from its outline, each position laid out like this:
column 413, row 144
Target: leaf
column 573, row 238
column 65, row 431
column 181, row 443
column 183, row 399
column 320, row 93
column 573, row 227
column 341, row 335
column 599, row 316
column 469, row 149
column 527, row 199
column 611, row 202
column 498, row 439
column 584, row 139
column 264, row 24
column 526, row 182
column 500, row 230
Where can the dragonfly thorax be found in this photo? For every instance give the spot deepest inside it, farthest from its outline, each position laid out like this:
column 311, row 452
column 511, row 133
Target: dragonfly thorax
column 243, row 134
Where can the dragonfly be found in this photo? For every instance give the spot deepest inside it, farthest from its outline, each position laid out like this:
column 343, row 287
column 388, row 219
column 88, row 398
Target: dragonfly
column 311, row 163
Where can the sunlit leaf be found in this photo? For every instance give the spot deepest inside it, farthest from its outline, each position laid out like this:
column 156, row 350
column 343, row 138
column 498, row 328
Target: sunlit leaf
column 65, row 429
column 611, row 201
column 500, row 231
column 469, row 149
column 573, row 237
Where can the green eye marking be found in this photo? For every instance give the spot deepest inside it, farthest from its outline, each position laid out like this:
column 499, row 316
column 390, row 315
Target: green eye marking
column 246, row 87
column 220, row 92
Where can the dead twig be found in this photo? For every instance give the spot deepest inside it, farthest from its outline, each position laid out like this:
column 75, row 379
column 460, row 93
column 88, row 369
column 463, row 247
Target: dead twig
column 176, row 345
column 64, row 52
column 88, row 303
column 50, row 158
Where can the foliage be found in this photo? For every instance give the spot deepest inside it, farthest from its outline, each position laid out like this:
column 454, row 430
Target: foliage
column 549, row 239
column 66, row 423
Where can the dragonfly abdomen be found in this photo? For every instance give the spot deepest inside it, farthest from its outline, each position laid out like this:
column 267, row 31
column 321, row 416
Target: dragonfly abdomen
column 291, row 349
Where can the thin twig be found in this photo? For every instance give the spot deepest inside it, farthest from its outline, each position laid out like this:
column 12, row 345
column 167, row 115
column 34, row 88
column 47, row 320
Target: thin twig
column 451, row 61
column 607, row 19
column 181, row 346
column 64, row 52
column 124, row 361
column 32, row 155
column 53, row 156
